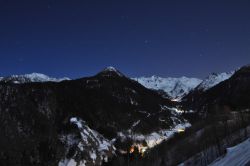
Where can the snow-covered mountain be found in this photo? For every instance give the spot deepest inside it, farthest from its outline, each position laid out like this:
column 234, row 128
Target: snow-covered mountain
column 175, row 88
column 214, row 79
column 33, row 77
column 199, row 96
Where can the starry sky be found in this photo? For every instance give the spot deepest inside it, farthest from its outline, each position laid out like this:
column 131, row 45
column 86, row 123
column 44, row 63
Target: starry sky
column 77, row 38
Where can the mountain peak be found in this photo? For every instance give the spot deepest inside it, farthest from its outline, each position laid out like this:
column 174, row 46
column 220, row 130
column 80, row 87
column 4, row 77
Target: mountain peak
column 110, row 68
column 110, row 71
column 214, row 79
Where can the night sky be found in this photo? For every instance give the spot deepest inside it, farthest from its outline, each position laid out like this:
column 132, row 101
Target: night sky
column 77, row 38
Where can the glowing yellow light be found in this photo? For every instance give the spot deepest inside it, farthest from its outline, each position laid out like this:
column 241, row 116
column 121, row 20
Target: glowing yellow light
column 131, row 149
column 141, row 149
column 181, row 130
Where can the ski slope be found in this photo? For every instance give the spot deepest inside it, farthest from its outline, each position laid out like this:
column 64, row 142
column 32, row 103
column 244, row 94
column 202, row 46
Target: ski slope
column 238, row 155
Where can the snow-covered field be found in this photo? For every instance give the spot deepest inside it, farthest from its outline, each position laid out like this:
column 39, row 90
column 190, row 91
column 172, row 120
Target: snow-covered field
column 238, row 155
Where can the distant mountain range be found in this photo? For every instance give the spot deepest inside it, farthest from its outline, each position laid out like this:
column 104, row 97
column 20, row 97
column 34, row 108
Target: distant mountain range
column 33, row 77
column 172, row 88
column 177, row 88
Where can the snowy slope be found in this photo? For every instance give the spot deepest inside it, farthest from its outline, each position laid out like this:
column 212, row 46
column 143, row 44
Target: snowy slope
column 238, row 155
column 214, row 79
column 33, row 77
column 92, row 147
column 176, row 88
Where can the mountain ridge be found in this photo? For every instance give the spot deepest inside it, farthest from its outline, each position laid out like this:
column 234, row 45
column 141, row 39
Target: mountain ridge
column 174, row 88
column 32, row 77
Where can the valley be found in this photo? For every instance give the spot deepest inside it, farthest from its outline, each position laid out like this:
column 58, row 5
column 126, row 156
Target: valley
column 110, row 119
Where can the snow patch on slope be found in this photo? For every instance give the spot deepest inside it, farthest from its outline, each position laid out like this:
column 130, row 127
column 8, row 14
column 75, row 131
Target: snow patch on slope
column 70, row 162
column 86, row 134
column 238, row 155
column 93, row 145
column 176, row 88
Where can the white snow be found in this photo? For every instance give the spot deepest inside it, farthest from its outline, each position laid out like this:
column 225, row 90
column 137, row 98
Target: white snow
column 176, row 88
column 92, row 143
column 214, row 79
column 155, row 138
column 38, row 77
column 173, row 109
column 33, row 77
column 136, row 123
column 238, row 155
column 67, row 162
column 93, row 156
column 71, row 162
column 111, row 69
column 101, row 145
column 75, row 121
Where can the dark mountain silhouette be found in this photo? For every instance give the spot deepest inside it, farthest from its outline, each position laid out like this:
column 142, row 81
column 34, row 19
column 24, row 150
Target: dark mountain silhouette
column 36, row 127
column 229, row 95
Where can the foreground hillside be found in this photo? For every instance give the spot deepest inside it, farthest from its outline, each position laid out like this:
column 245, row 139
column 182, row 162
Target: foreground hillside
column 230, row 94
column 220, row 119
column 85, row 121
column 237, row 155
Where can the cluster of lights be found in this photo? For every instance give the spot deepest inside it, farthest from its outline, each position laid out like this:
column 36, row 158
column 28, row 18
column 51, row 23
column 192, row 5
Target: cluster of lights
column 141, row 149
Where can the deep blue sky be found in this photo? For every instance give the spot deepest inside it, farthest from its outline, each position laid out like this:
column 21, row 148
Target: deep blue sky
column 77, row 38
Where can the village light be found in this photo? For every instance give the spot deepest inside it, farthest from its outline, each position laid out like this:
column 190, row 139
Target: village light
column 181, row 130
